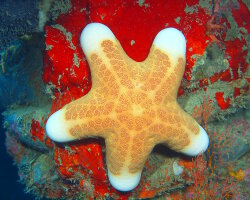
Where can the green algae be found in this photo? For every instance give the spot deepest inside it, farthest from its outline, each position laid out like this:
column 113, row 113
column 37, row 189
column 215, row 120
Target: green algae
column 234, row 31
column 132, row 42
column 247, row 3
column 142, row 3
column 212, row 61
column 67, row 34
column 59, row 7
column 191, row 9
column 207, row 4
column 76, row 60
column 177, row 20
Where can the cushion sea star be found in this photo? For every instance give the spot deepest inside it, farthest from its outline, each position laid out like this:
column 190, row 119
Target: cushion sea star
column 132, row 105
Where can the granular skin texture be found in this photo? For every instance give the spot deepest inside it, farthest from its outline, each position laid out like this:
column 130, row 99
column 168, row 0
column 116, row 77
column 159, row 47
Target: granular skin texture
column 131, row 105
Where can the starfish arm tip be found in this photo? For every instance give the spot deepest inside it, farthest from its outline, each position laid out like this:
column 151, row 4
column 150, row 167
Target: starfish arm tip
column 172, row 41
column 92, row 35
column 56, row 128
column 124, row 182
column 198, row 145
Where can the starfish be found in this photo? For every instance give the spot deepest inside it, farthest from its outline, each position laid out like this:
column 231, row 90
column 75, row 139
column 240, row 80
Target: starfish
column 132, row 105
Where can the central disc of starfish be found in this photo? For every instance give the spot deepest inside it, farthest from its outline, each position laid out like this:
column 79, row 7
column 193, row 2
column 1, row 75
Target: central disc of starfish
column 132, row 105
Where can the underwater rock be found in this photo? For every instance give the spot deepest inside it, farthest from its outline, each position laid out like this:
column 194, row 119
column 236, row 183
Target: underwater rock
column 17, row 19
column 237, row 131
column 20, row 123
column 20, row 73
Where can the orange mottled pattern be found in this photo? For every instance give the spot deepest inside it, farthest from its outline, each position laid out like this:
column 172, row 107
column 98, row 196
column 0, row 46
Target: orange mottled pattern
column 132, row 105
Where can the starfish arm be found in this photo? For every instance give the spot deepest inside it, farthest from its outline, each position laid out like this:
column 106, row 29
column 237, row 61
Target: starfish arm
column 166, row 92
column 172, row 42
column 107, row 59
column 92, row 37
column 56, row 129
column 198, row 143
column 81, row 119
column 125, row 156
column 167, row 62
column 181, row 132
